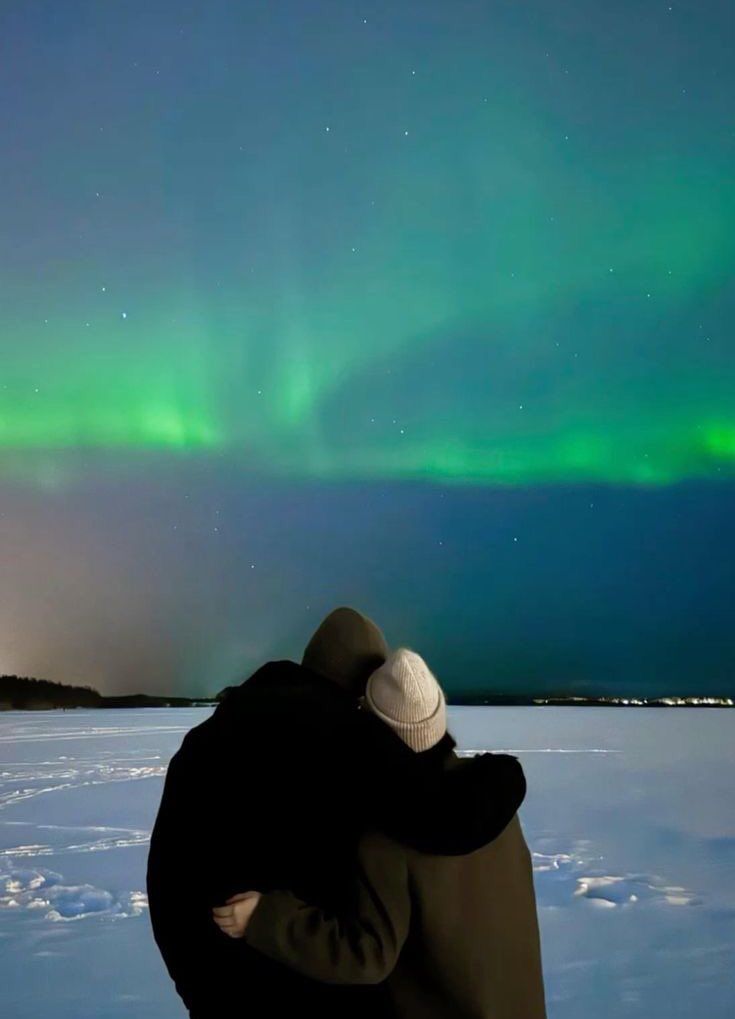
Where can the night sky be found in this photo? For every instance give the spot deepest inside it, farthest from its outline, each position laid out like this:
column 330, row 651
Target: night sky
column 423, row 307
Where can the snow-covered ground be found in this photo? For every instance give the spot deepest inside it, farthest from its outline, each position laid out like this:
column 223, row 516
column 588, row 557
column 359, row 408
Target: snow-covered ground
column 630, row 816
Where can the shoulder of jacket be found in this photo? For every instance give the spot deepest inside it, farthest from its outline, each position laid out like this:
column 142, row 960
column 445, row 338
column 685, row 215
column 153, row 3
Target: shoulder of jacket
column 376, row 842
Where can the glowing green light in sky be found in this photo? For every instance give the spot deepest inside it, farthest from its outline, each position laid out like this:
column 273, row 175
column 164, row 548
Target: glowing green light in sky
column 495, row 303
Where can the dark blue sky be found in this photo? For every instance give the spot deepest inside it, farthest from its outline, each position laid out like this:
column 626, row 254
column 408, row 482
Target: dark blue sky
column 426, row 307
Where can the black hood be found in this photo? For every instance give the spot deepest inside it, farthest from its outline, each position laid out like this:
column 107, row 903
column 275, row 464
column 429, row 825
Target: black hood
column 346, row 647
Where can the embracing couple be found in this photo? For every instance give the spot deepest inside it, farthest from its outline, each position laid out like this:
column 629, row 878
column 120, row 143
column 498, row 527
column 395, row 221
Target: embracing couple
column 321, row 848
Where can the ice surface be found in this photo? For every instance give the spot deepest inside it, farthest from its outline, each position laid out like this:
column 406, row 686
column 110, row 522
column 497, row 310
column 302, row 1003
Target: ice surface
column 630, row 816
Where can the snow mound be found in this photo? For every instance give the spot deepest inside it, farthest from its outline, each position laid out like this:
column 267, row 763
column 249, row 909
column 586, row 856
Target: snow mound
column 44, row 891
column 576, row 871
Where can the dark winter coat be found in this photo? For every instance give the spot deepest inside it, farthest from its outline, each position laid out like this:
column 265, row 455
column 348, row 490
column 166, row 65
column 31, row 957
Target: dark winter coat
column 274, row 791
column 454, row 936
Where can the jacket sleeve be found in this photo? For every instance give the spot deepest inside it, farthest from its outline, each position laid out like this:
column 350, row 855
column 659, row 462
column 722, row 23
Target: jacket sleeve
column 398, row 786
column 359, row 948
column 387, row 774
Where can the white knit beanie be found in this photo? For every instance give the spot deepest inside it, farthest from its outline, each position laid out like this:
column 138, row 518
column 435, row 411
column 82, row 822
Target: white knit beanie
column 405, row 695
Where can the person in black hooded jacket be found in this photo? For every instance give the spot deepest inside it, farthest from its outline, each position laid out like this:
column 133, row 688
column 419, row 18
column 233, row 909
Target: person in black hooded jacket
column 300, row 772
column 453, row 934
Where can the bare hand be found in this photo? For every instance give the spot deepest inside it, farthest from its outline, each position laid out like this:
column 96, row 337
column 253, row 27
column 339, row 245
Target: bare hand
column 233, row 918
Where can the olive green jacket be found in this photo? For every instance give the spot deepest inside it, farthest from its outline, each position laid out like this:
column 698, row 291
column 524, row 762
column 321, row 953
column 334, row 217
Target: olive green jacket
column 454, row 936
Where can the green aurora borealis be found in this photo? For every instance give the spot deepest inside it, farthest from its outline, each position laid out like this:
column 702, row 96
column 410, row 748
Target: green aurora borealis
column 482, row 246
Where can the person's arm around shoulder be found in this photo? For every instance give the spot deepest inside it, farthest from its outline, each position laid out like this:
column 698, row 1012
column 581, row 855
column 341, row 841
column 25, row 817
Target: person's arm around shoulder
column 360, row 948
column 398, row 786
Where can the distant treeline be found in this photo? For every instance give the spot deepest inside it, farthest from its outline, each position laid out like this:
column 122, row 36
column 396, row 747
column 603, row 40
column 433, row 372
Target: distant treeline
column 21, row 693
